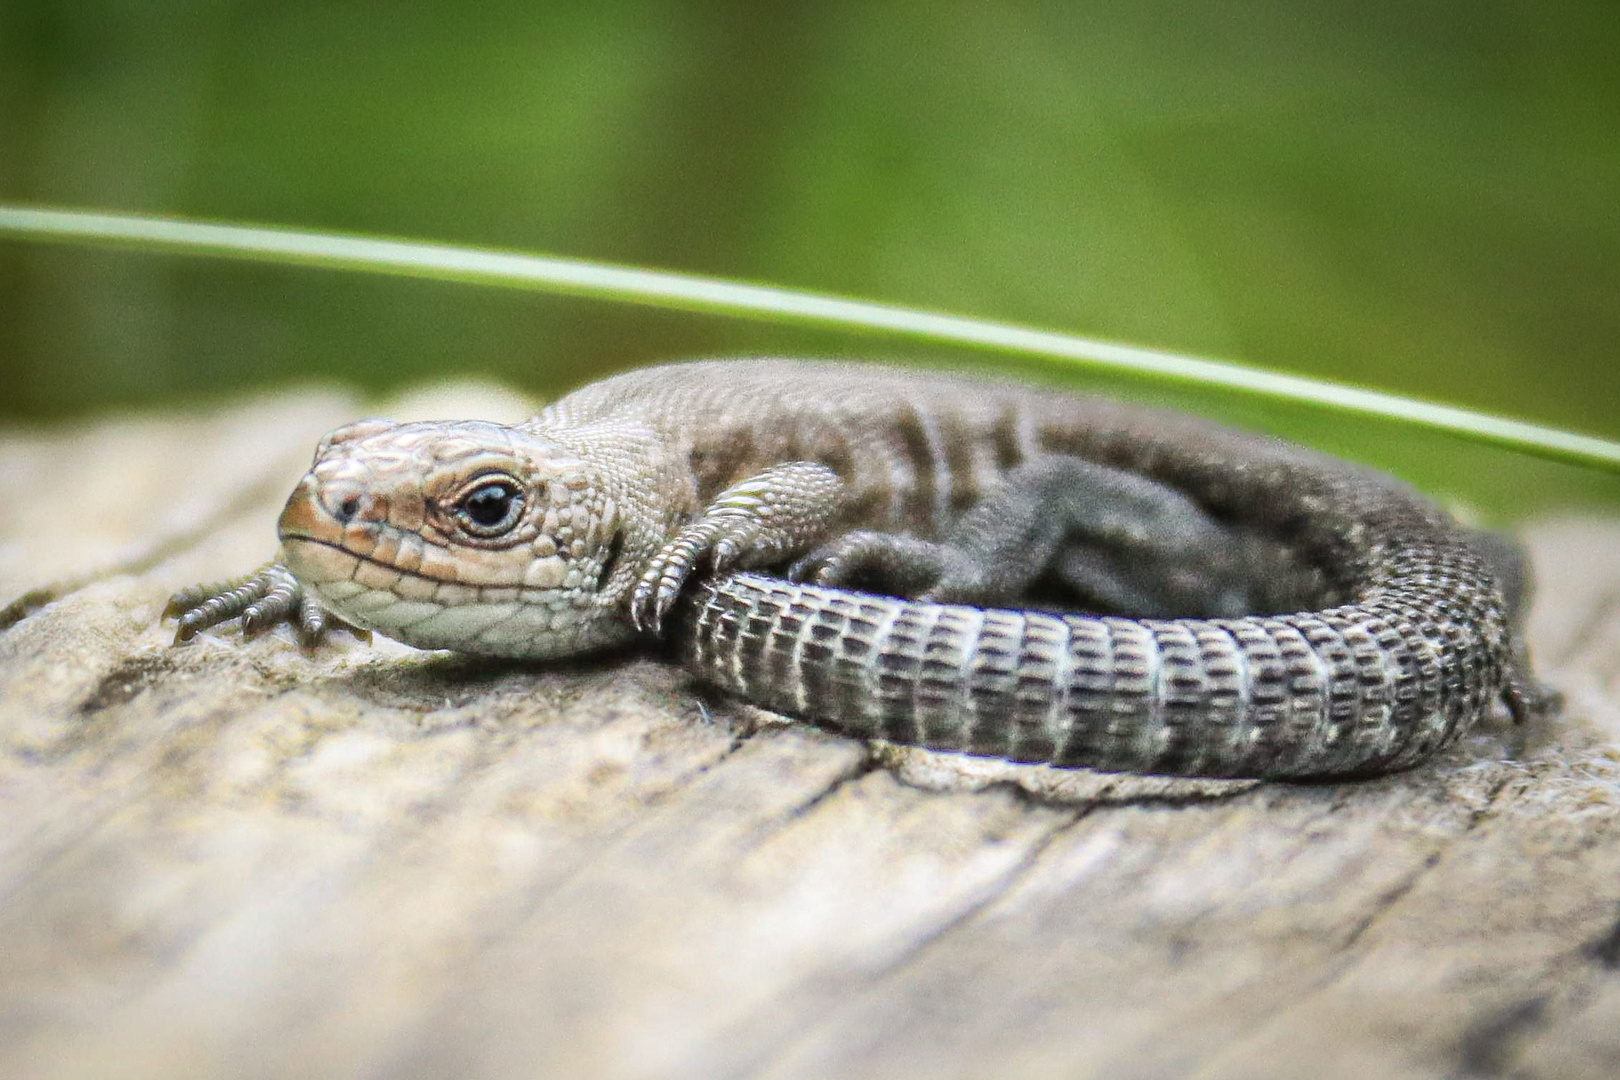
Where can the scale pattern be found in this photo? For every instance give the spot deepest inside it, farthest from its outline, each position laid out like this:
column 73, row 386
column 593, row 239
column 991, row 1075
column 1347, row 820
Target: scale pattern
column 1417, row 654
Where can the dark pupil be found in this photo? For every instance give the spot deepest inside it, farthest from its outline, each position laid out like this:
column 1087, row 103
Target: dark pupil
column 489, row 505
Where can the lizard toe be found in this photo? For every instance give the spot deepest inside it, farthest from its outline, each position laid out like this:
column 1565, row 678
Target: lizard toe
column 892, row 563
column 842, row 561
column 202, row 606
column 260, row 601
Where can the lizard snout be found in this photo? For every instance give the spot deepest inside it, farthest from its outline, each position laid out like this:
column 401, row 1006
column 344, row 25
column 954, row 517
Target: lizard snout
column 330, row 510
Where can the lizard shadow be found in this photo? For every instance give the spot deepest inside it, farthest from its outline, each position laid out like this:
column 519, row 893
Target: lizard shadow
column 435, row 681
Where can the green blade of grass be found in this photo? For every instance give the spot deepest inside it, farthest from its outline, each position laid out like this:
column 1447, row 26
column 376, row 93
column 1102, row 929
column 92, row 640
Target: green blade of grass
column 689, row 292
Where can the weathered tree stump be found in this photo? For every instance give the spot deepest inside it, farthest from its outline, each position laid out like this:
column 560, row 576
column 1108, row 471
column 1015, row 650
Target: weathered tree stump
column 239, row 860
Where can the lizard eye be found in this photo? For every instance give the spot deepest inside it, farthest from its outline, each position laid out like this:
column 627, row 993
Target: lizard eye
column 491, row 508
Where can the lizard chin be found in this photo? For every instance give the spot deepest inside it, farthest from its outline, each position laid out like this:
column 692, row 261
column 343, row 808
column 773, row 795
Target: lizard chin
column 512, row 622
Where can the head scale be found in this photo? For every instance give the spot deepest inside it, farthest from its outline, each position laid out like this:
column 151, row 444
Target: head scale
column 459, row 535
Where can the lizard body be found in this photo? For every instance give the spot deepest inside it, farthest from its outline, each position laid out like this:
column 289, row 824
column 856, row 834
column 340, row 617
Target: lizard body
column 1330, row 620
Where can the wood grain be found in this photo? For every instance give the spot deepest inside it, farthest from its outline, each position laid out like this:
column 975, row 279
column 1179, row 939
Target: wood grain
column 246, row 861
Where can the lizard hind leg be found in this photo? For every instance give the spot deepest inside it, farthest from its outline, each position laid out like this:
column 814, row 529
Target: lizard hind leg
column 1526, row 697
column 1114, row 540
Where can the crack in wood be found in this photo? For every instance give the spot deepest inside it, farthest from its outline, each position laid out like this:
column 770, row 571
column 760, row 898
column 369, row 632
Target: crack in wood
column 921, row 945
column 246, row 500
column 126, row 681
column 1343, row 962
column 28, row 603
column 862, row 768
column 1491, row 1044
column 1606, row 948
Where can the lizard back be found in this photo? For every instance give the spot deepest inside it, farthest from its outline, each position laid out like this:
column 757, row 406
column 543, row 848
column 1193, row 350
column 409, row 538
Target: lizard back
column 1416, row 652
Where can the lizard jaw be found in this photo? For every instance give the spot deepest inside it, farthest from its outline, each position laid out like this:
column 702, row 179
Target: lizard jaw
column 518, row 623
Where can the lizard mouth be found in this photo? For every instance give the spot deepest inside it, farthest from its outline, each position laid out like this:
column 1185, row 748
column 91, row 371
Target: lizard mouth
column 360, row 588
column 316, row 563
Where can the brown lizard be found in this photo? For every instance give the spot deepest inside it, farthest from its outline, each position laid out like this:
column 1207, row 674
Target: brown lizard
column 1190, row 599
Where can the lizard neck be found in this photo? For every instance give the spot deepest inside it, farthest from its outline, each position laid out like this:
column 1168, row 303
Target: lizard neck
column 648, row 490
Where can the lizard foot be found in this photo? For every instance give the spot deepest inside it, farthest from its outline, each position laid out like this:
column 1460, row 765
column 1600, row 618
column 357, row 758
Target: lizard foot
column 261, row 600
column 717, row 540
column 895, row 564
column 756, row 522
column 1526, row 697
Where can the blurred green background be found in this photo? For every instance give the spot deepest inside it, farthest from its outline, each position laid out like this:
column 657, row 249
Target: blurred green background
column 1418, row 196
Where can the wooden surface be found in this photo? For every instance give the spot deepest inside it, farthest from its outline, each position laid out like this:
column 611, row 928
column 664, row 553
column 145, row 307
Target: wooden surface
column 243, row 861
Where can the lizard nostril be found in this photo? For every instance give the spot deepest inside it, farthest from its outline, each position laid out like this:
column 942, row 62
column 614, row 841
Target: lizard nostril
column 347, row 508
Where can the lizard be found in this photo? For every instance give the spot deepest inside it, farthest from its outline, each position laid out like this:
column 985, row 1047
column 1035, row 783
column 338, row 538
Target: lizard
column 958, row 563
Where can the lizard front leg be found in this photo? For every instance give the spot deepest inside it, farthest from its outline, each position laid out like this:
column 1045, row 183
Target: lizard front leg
column 768, row 518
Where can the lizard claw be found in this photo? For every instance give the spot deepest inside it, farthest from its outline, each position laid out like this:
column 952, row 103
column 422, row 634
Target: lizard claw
column 840, row 563
column 715, row 542
column 660, row 584
column 727, row 550
column 1527, row 697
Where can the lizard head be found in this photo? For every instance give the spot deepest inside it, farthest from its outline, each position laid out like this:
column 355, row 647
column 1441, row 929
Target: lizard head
column 466, row 535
